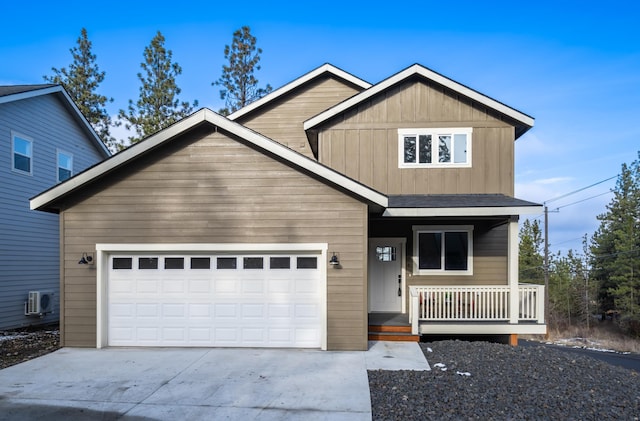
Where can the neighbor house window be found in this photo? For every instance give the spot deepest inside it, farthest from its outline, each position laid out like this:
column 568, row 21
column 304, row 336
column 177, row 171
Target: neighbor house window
column 65, row 166
column 434, row 147
column 22, row 154
column 443, row 250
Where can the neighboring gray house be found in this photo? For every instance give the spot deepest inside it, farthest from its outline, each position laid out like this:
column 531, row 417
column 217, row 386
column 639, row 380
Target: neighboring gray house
column 44, row 139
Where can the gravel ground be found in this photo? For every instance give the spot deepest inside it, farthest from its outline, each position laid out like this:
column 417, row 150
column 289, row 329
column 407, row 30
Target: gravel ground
column 487, row 381
column 22, row 345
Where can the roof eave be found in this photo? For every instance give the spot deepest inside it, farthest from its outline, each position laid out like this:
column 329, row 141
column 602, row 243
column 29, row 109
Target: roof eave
column 463, row 211
column 417, row 69
column 325, row 68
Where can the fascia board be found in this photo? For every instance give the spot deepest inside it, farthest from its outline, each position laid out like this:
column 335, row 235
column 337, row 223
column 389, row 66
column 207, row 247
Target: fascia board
column 115, row 161
column 429, row 74
column 224, row 124
column 30, row 94
column 480, row 211
column 325, row 68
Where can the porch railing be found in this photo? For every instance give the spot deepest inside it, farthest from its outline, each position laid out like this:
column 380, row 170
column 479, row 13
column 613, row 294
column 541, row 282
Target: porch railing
column 475, row 303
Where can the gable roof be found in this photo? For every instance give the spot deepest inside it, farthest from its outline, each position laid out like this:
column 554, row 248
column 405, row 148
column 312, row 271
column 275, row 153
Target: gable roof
column 46, row 201
column 325, row 69
column 523, row 121
column 11, row 93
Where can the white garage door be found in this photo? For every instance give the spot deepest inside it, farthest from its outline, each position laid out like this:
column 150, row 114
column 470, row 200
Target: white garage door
column 257, row 300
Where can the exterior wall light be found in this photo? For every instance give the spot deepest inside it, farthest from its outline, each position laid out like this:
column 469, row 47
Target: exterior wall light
column 334, row 261
column 86, row 259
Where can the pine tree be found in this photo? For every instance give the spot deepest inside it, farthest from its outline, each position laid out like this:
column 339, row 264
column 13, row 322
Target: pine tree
column 81, row 81
column 615, row 247
column 238, row 80
column 531, row 262
column 158, row 106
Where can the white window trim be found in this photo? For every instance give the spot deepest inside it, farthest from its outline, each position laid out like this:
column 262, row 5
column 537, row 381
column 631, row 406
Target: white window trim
column 417, row 229
column 13, row 152
column 70, row 155
column 434, row 132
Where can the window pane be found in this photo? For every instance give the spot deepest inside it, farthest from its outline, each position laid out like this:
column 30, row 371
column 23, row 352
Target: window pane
column 200, row 263
column 63, row 174
column 64, row 161
column 386, row 254
column 430, row 250
column 21, row 146
column 456, row 246
column 460, row 148
column 226, row 263
column 410, row 149
column 122, row 263
column 280, row 262
column 148, row 263
column 253, row 263
column 22, row 163
column 444, row 148
column 425, row 149
column 174, row 263
column 307, row 263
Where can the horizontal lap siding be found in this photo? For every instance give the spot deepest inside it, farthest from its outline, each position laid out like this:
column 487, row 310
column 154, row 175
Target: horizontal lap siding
column 282, row 120
column 363, row 142
column 29, row 240
column 490, row 249
column 217, row 190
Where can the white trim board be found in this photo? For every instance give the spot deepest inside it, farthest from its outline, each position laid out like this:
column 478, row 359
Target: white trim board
column 103, row 251
column 417, row 69
column 199, row 117
column 325, row 68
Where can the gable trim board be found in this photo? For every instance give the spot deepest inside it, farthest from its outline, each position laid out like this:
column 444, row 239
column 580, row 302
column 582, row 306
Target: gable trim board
column 104, row 251
column 325, row 68
column 42, row 201
column 31, row 91
column 416, row 69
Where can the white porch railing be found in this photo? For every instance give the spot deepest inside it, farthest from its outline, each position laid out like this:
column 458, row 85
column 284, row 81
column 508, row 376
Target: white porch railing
column 474, row 303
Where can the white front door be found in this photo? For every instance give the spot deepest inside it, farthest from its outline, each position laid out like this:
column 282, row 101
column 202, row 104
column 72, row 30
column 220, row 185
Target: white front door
column 386, row 284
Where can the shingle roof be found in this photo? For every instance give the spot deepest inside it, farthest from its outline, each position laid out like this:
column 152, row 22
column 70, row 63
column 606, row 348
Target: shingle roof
column 18, row 89
column 456, row 201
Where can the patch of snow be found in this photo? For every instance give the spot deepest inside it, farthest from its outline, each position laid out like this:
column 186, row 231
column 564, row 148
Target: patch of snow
column 429, row 349
column 463, row 373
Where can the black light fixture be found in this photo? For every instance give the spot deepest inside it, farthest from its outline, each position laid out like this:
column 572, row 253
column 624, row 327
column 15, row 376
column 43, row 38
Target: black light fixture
column 334, row 260
column 85, row 259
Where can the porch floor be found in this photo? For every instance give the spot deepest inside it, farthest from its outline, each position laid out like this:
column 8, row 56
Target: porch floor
column 388, row 319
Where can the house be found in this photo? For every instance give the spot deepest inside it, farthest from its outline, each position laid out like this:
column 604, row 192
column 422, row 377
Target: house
column 298, row 218
column 44, row 140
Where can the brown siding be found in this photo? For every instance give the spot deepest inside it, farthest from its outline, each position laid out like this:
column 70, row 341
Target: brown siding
column 372, row 130
column 213, row 189
column 490, row 248
column 282, row 120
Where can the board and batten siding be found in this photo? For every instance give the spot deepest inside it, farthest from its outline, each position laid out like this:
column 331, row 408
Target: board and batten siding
column 282, row 119
column 207, row 187
column 362, row 143
column 29, row 240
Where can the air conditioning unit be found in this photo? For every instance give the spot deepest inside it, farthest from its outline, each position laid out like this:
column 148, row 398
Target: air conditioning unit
column 39, row 303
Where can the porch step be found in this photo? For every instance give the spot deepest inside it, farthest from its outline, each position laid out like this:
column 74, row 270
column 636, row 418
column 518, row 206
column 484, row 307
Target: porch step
column 392, row 333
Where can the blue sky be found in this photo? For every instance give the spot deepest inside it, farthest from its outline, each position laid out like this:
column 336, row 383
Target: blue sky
column 572, row 65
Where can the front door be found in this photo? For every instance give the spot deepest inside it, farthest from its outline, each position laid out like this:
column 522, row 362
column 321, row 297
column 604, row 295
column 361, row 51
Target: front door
column 385, row 274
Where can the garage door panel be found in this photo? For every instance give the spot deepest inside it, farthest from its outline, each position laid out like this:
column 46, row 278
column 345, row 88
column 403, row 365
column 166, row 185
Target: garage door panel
column 217, row 304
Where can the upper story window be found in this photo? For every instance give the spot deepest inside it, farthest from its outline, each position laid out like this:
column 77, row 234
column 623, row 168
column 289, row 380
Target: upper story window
column 443, row 250
column 426, row 148
column 65, row 166
column 22, row 150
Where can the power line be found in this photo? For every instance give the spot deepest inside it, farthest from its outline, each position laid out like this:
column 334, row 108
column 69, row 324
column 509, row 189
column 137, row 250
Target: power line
column 584, row 200
column 579, row 190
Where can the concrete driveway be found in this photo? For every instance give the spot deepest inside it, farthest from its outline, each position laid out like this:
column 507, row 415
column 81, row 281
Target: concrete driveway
column 198, row 383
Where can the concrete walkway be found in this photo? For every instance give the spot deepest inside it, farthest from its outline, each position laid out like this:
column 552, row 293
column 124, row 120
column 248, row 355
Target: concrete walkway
column 198, row 383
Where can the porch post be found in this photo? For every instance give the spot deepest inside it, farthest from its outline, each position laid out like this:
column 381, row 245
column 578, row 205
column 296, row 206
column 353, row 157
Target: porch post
column 512, row 270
